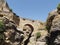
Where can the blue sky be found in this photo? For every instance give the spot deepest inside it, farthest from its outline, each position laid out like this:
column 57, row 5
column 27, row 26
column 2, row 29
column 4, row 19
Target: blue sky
column 33, row 9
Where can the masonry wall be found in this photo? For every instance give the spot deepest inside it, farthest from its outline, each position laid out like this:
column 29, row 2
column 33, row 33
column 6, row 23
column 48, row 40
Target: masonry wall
column 34, row 24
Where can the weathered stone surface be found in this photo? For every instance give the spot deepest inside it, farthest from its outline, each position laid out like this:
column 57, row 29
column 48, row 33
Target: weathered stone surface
column 56, row 23
column 22, row 31
column 40, row 43
column 53, row 27
column 50, row 18
column 57, row 40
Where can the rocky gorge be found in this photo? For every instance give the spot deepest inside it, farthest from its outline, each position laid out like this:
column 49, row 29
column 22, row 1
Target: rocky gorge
column 15, row 30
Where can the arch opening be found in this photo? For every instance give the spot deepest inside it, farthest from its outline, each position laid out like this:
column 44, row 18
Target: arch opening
column 27, row 29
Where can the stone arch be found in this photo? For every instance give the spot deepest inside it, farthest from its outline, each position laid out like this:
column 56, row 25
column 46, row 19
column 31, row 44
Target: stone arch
column 29, row 26
column 30, row 29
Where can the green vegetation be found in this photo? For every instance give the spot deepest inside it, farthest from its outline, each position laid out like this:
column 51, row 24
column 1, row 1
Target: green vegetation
column 1, row 29
column 11, row 10
column 58, row 7
column 1, row 26
column 47, row 27
column 38, row 35
column 1, row 36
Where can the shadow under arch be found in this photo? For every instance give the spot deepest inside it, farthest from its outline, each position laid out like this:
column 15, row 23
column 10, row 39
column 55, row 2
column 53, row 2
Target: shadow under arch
column 30, row 26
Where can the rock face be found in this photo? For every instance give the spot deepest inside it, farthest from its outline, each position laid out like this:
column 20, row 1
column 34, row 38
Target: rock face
column 16, row 30
column 20, row 31
column 53, row 26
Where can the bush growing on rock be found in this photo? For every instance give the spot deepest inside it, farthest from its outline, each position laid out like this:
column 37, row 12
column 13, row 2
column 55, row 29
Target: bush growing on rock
column 38, row 35
column 47, row 27
column 1, row 26
column 58, row 7
column 11, row 10
column 2, row 29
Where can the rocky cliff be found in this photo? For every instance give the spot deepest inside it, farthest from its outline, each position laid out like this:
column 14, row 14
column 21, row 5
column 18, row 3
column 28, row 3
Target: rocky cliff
column 15, row 30
column 53, row 27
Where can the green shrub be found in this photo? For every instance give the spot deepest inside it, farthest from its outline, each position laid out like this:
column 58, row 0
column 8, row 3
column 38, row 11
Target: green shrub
column 58, row 7
column 1, row 36
column 1, row 26
column 2, row 29
column 11, row 10
column 48, row 28
column 38, row 35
